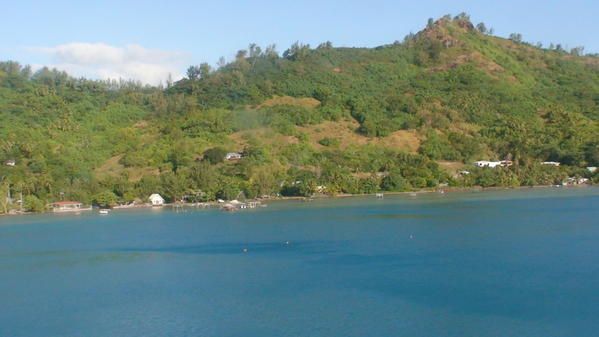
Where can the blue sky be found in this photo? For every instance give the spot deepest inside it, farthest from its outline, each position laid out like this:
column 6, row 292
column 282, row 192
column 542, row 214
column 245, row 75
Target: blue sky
column 147, row 39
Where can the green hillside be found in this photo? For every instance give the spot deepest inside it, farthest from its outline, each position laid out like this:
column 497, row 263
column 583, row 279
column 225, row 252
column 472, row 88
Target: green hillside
column 398, row 117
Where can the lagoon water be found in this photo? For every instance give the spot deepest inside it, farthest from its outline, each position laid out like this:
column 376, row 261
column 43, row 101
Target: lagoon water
column 501, row 263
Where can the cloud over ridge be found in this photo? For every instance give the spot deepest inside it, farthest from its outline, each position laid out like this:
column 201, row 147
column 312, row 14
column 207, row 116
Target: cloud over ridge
column 104, row 61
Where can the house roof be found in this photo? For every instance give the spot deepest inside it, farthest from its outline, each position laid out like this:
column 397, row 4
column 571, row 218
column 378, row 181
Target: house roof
column 156, row 195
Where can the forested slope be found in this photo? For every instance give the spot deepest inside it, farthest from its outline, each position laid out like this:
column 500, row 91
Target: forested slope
column 403, row 116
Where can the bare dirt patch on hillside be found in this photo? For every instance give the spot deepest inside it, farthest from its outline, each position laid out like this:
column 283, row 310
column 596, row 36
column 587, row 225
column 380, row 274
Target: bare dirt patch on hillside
column 345, row 133
column 305, row 102
column 110, row 167
column 479, row 60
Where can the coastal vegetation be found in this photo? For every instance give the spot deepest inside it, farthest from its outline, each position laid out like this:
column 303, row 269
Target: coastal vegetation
column 409, row 115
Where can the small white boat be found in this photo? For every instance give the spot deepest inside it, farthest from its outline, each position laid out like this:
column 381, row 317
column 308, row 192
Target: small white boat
column 104, row 211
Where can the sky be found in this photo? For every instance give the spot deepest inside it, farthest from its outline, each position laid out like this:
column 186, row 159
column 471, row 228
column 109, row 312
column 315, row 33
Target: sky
column 148, row 40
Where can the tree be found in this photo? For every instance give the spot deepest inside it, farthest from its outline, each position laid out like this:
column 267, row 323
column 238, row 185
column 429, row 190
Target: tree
column 254, row 50
column 4, row 191
column 221, row 62
column 463, row 16
column 180, row 154
column 174, row 185
column 577, row 51
column 409, row 37
column 394, row 181
column 26, row 72
column 481, row 27
column 264, row 179
column 205, row 70
column 193, row 73
column 241, row 55
column 229, row 190
column 516, row 37
column 438, row 147
column 430, row 23
column 105, row 199
column 271, row 51
column 31, row 203
column 205, row 178
column 215, row 155
column 325, row 45
column 591, row 153
column 169, row 80
column 297, row 51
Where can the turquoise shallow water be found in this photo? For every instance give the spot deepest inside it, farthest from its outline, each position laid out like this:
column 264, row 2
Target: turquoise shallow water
column 503, row 263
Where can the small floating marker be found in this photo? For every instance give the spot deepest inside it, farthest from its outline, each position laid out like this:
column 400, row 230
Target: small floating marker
column 245, row 250
column 287, row 242
column 411, row 237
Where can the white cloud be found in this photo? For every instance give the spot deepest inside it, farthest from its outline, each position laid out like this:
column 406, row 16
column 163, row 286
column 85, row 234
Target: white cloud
column 100, row 60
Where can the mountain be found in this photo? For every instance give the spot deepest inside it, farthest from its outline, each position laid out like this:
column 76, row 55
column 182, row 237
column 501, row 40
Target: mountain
column 398, row 117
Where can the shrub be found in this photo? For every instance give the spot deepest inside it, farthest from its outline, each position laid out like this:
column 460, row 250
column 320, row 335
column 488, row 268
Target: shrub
column 31, row 203
column 105, row 199
column 215, row 155
column 327, row 141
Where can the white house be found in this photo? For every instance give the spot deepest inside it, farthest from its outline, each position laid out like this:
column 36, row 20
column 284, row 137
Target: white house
column 233, row 156
column 592, row 169
column 156, row 199
column 484, row 163
column 552, row 163
column 493, row 164
column 10, row 162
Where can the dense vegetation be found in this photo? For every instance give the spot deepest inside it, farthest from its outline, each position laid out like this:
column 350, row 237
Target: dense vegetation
column 398, row 117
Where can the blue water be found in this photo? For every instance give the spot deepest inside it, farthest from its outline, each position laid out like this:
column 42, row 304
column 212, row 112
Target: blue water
column 504, row 263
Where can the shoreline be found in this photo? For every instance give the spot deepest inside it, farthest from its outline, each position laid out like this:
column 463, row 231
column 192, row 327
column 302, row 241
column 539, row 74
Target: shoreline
column 431, row 191
column 214, row 204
